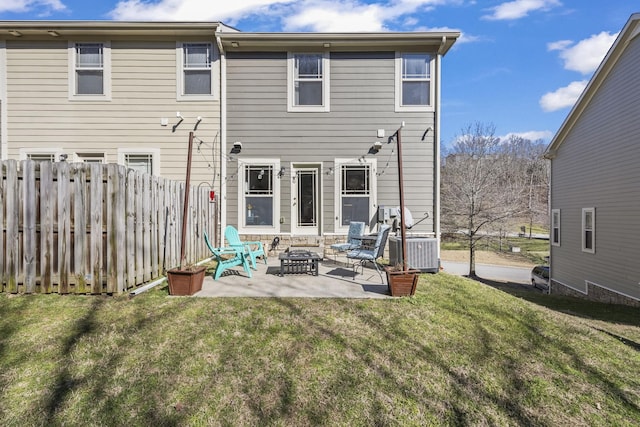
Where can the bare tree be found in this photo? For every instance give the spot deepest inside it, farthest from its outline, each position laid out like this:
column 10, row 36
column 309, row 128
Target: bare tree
column 534, row 172
column 481, row 185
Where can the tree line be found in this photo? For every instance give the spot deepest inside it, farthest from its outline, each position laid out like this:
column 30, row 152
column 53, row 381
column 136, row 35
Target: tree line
column 489, row 184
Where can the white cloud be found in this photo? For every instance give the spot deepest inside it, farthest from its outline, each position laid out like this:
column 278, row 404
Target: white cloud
column 586, row 55
column 519, row 9
column 306, row 15
column 189, row 10
column 532, row 135
column 559, row 45
column 563, row 97
column 332, row 16
column 21, row 6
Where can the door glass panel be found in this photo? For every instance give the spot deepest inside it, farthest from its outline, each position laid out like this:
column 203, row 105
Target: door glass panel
column 307, row 199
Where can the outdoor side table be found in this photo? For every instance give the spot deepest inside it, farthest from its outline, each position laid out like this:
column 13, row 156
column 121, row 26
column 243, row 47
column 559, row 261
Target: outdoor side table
column 299, row 262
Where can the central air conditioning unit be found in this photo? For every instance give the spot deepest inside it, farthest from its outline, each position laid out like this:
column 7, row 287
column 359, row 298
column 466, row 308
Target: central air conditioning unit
column 422, row 253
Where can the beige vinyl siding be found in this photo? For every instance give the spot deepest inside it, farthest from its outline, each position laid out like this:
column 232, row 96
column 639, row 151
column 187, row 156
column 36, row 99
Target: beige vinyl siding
column 143, row 86
column 361, row 101
column 597, row 166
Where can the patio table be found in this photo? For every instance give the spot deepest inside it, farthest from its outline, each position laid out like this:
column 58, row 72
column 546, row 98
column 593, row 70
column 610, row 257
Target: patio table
column 299, row 262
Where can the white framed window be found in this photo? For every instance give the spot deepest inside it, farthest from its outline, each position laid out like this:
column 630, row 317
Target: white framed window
column 589, row 230
column 308, row 82
column 41, row 154
column 259, row 196
column 414, row 81
column 90, row 71
column 555, row 227
column 196, row 71
column 145, row 160
column 355, row 188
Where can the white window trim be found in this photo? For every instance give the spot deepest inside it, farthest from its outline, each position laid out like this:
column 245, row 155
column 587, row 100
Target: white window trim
column 398, row 92
column 215, row 63
column 106, row 72
column 553, row 212
column 23, row 154
column 275, row 228
column 326, row 99
column 373, row 200
column 155, row 154
column 593, row 230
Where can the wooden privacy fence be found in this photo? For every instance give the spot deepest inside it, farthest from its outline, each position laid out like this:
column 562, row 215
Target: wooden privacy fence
column 91, row 228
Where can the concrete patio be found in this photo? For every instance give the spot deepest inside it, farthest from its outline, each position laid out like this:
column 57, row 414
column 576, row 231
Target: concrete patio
column 334, row 280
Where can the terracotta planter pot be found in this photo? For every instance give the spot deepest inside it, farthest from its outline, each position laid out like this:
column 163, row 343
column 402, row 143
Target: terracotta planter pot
column 401, row 283
column 185, row 281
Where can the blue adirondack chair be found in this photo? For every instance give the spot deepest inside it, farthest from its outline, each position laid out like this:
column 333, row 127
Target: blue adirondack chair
column 227, row 257
column 250, row 249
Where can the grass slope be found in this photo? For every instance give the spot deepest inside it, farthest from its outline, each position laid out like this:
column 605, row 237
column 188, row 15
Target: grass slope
column 458, row 353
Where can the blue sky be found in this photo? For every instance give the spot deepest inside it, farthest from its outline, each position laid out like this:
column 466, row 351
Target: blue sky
column 519, row 65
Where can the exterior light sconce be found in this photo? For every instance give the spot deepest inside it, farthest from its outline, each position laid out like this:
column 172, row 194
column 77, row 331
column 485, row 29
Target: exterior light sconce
column 235, row 45
column 237, row 147
column 281, row 172
column 377, row 146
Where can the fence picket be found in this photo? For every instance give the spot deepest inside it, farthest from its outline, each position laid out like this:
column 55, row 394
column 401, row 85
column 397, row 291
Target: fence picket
column 3, row 203
column 64, row 226
column 80, row 273
column 96, row 226
column 29, row 225
column 46, row 227
column 11, row 267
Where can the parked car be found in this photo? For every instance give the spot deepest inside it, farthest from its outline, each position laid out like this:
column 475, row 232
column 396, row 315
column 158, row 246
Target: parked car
column 540, row 276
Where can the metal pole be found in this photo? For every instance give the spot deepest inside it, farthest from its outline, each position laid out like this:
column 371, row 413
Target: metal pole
column 403, row 230
column 185, row 208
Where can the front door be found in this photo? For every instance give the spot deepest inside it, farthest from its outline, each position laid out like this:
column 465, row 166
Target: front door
column 305, row 199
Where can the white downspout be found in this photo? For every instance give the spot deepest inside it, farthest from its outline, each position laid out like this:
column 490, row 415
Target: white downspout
column 436, row 150
column 222, row 191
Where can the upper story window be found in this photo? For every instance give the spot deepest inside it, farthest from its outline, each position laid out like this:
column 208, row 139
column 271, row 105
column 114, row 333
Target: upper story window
column 308, row 82
column 90, row 72
column 196, row 77
column 414, row 88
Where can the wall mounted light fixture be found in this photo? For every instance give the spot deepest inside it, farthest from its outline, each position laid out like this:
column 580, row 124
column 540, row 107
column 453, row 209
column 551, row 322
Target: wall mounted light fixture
column 237, row 147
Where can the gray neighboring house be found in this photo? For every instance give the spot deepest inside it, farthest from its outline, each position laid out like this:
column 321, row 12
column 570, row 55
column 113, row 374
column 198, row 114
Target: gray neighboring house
column 306, row 110
column 595, row 182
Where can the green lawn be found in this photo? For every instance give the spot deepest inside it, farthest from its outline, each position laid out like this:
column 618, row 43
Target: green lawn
column 458, row 353
column 531, row 250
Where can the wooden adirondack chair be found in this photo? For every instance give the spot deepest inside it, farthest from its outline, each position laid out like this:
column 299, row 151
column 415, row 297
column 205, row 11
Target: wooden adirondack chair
column 250, row 249
column 227, row 257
